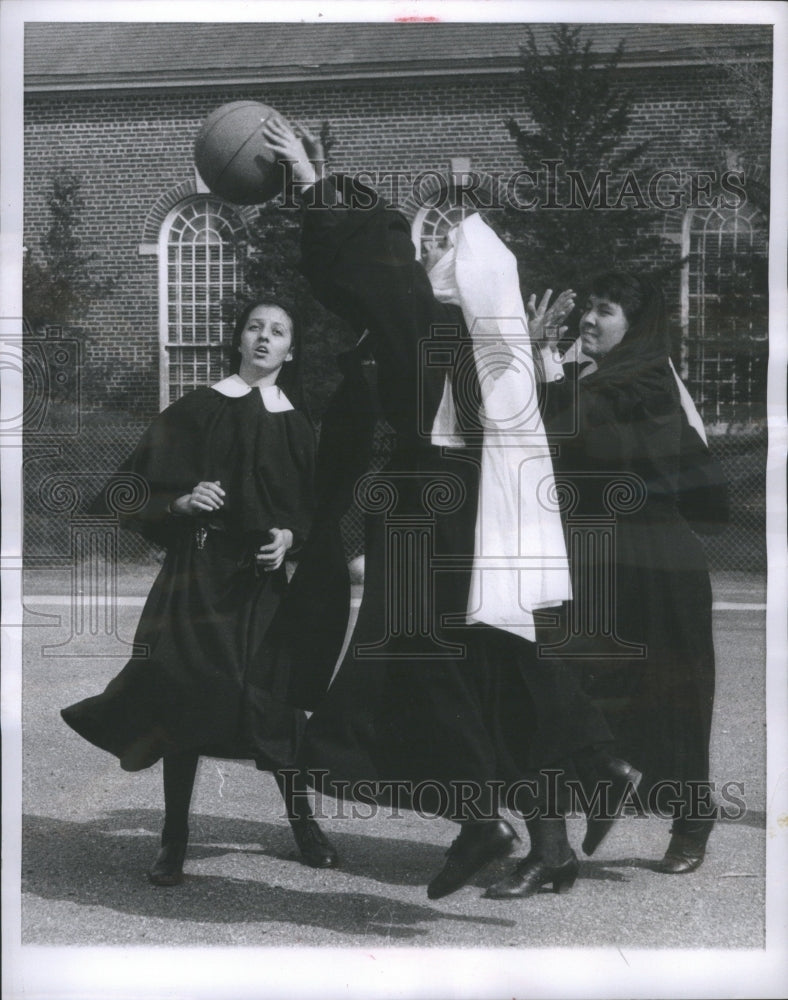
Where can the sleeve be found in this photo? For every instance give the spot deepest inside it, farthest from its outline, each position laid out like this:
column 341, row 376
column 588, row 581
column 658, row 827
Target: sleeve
column 300, row 516
column 611, row 425
column 167, row 458
column 558, row 400
column 346, row 438
column 359, row 259
column 548, row 363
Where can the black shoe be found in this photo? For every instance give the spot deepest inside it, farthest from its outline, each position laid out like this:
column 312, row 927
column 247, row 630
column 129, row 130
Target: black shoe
column 476, row 845
column 315, row 847
column 531, row 874
column 616, row 779
column 168, row 869
column 685, row 852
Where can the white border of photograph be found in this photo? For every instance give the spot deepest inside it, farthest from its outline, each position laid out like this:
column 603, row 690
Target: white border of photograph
column 36, row 972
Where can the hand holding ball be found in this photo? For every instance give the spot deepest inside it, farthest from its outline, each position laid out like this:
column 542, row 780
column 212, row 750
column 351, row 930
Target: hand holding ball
column 232, row 156
column 240, row 151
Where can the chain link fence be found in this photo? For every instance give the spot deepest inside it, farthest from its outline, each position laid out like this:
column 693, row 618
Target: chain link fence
column 742, row 545
column 71, row 452
column 61, row 480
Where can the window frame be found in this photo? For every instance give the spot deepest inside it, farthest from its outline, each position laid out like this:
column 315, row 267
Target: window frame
column 700, row 220
column 230, row 217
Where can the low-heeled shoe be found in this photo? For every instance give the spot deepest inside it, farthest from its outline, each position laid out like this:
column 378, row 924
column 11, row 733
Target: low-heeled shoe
column 685, row 853
column 616, row 778
column 315, row 847
column 476, row 845
column 168, row 867
column 531, row 874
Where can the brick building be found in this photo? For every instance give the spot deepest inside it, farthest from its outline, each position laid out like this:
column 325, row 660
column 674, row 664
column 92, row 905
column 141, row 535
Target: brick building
column 119, row 105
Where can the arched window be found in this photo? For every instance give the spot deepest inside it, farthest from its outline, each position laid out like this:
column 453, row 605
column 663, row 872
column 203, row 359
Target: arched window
column 432, row 223
column 444, row 201
column 199, row 267
column 725, row 313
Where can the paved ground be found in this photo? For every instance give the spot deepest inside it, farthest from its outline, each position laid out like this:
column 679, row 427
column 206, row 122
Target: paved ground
column 90, row 832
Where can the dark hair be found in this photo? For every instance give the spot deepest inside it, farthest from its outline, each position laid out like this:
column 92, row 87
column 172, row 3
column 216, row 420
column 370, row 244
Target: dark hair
column 289, row 378
column 643, row 305
column 624, row 289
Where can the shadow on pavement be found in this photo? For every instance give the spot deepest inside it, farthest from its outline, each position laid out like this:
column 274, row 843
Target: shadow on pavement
column 103, row 863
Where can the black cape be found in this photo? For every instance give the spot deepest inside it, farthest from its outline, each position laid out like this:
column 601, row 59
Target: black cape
column 623, row 439
column 421, row 697
column 219, row 675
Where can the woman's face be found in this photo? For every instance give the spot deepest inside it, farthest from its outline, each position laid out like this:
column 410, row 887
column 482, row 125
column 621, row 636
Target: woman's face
column 266, row 342
column 602, row 326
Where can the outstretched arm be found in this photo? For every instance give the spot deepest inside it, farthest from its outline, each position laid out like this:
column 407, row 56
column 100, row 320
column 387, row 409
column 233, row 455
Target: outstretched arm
column 359, row 259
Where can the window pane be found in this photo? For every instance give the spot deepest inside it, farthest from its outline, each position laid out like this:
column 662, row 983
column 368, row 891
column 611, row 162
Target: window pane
column 727, row 312
column 433, row 223
column 203, row 269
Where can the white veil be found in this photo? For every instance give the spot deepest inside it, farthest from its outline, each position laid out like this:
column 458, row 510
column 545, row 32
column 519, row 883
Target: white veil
column 520, row 561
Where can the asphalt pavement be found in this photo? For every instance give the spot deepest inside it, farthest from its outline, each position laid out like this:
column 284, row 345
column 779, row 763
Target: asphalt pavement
column 90, row 831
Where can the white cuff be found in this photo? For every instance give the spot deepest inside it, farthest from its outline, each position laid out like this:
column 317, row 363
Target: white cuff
column 552, row 363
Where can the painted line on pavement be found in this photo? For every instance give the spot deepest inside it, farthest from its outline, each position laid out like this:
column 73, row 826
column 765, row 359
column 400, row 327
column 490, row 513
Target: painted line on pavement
column 733, row 606
column 133, row 601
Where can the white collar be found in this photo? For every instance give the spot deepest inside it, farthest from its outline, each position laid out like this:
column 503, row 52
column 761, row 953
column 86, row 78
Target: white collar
column 234, row 387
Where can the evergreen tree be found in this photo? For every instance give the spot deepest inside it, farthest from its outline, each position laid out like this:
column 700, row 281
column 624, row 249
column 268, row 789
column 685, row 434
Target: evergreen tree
column 746, row 123
column 59, row 288
column 590, row 210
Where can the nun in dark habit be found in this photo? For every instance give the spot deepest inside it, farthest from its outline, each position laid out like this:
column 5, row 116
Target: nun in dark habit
column 229, row 472
column 624, row 426
column 441, row 689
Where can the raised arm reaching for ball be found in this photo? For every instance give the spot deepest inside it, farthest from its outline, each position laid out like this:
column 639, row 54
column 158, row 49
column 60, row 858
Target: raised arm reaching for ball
column 297, row 147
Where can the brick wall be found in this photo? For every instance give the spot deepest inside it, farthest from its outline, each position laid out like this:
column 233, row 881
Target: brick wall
column 129, row 149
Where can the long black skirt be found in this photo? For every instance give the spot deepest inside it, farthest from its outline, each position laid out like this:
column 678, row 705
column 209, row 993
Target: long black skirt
column 658, row 700
column 204, row 684
column 424, row 706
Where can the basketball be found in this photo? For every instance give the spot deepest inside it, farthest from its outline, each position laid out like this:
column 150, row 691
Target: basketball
column 233, row 159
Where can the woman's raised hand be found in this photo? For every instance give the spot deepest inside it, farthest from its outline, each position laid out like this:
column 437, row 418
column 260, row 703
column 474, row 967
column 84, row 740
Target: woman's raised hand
column 271, row 556
column 313, row 147
column 205, row 497
column 305, row 163
column 545, row 324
